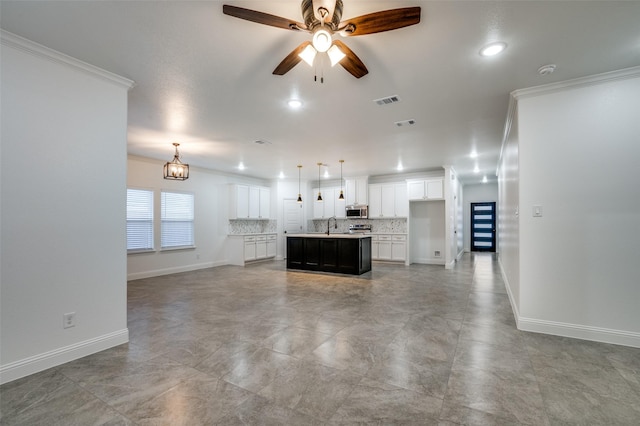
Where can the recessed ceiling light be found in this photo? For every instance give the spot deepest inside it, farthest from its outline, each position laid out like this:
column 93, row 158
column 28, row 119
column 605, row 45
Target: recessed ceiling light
column 484, row 179
column 294, row 103
column 241, row 166
column 281, row 175
column 400, row 167
column 476, row 169
column 474, row 154
column 493, row 49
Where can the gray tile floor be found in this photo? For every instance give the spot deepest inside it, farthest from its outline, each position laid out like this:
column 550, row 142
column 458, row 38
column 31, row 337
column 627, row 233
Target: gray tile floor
column 398, row 345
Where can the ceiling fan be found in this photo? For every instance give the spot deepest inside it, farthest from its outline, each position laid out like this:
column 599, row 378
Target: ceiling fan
column 322, row 18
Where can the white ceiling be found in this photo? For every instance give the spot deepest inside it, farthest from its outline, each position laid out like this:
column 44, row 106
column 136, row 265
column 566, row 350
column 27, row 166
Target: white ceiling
column 204, row 79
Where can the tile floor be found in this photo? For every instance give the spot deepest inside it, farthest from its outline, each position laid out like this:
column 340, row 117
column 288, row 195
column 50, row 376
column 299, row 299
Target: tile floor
column 399, row 345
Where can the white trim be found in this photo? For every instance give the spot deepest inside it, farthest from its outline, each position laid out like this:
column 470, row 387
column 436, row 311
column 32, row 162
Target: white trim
column 623, row 74
column 175, row 270
column 577, row 331
column 514, row 305
column 34, row 364
column 428, row 261
column 35, row 49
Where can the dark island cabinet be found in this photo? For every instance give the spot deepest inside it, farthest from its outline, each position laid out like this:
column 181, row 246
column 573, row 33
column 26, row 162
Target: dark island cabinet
column 340, row 255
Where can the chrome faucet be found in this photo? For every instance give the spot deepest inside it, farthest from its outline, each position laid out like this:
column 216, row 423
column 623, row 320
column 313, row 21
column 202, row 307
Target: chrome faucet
column 335, row 221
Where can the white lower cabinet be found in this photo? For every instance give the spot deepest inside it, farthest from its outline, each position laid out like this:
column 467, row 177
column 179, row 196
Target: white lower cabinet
column 248, row 248
column 384, row 247
column 261, row 247
column 271, row 245
column 389, row 247
column 399, row 247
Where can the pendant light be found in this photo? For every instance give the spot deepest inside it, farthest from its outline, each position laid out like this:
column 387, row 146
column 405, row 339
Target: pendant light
column 341, row 196
column 299, row 193
column 176, row 169
column 319, row 193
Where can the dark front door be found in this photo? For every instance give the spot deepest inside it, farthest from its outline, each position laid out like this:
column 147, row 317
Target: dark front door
column 483, row 227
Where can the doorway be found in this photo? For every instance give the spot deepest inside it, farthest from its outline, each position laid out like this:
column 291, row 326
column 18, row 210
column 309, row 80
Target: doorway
column 292, row 220
column 483, row 227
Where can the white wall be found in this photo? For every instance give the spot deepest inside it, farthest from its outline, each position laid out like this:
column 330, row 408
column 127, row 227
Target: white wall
column 211, row 197
column 63, row 134
column 578, row 155
column 477, row 193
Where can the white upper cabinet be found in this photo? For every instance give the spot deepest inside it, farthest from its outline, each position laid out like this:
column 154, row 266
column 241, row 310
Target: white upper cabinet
column 330, row 205
column 425, row 189
column 357, row 191
column 402, row 201
column 265, row 203
column 388, row 200
column 249, row 202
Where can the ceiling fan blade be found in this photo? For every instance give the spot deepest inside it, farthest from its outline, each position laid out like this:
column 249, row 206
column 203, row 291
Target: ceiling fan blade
column 378, row 22
column 262, row 18
column 291, row 60
column 351, row 62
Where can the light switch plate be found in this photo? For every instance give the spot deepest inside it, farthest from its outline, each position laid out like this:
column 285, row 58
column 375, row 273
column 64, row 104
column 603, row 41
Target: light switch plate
column 537, row 211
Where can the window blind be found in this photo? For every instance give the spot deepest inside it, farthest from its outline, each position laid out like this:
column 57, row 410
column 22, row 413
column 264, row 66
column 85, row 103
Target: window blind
column 139, row 219
column 176, row 219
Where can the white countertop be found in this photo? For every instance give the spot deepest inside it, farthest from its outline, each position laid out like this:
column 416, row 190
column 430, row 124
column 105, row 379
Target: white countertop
column 336, row 235
column 252, row 234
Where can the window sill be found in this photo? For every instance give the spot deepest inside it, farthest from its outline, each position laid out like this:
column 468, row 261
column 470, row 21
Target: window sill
column 177, row 248
column 140, row 251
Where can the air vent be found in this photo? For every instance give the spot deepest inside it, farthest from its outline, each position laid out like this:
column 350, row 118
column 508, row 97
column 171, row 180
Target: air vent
column 405, row 123
column 262, row 142
column 388, row 100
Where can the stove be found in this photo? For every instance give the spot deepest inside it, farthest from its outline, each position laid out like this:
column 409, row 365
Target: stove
column 359, row 229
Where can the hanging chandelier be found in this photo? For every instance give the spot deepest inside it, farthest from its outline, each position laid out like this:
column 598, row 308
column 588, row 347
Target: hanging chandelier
column 341, row 196
column 176, row 169
column 299, row 193
column 319, row 193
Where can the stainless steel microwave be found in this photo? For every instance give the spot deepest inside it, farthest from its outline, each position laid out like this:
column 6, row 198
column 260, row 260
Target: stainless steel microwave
column 357, row 212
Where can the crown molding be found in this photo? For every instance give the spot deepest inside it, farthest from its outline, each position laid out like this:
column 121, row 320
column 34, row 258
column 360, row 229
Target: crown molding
column 623, row 74
column 25, row 45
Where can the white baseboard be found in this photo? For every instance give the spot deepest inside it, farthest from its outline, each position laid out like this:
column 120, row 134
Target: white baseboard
column 429, row 261
column 575, row 331
column 174, row 270
column 34, row 364
column 578, row 331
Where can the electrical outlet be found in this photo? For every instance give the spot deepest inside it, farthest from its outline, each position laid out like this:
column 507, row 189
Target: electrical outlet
column 436, row 253
column 69, row 320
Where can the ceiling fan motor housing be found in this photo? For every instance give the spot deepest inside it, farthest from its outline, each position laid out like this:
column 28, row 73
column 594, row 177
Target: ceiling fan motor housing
column 311, row 20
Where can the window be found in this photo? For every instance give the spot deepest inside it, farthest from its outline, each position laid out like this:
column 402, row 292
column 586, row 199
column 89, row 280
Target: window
column 139, row 220
column 176, row 220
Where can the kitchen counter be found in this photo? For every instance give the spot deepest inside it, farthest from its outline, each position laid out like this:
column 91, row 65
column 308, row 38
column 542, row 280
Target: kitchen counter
column 324, row 235
column 340, row 253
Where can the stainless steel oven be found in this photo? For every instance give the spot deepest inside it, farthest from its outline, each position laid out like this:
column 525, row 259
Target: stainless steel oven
column 357, row 212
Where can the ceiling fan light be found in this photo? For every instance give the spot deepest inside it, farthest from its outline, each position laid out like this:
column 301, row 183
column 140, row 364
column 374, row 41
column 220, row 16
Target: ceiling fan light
column 322, row 40
column 335, row 54
column 308, row 54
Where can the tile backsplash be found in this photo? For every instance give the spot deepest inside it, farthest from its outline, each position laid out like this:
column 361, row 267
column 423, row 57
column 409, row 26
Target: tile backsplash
column 378, row 226
column 238, row 227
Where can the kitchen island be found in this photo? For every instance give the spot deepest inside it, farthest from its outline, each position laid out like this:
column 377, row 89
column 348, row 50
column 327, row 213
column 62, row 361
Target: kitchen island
column 339, row 253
